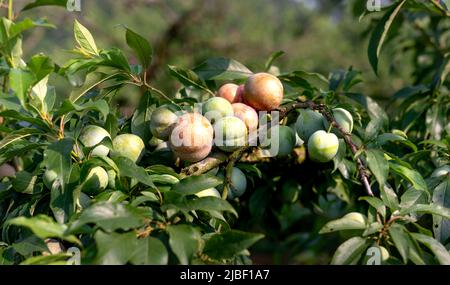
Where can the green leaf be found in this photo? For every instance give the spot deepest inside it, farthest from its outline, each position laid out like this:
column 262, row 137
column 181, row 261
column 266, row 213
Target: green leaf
column 380, row 32
column 77, row 94
column 112, row 125
column 372, row 228
column 220, row 68
column 39, row 3
column 436, row 120
column 26, row 118
column 84, row 39
column 415, row 253
column 350, row 252
column 413, row 176
column 99, row 105
column 10, row 149
column 114, row 57
column 110, row 216
column 57, row 158
column 195, row 184
column 441, row 197
column 441, row 253
column 44, row 227
column 389, row 197
column 25, row 183
column 211, row 204
column 390, row 137
column 376, row 203
column 351, row 221
column 127, row 168
column 306, row 80
column 188, row 78
column 140, row 123
column 54, row 259
column 378, row 165
column 272, row 58
column 26, row 24
column 185, row 242
column 164, row 179
column 150, row 251
column 41, row 66
column 141, row 47
column 406, row 245
column 30, row 245
column 344, row 79
column 21, row 82
column 115, row 248
column 230, row 243
column 412, row 197
column 400, row 238
column 433, row 209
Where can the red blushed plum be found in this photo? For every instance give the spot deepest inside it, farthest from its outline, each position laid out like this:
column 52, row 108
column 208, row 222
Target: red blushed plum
column 7, row 170
column 263, row 92
column 230, row 92
column 247, row 114
column 192, row 137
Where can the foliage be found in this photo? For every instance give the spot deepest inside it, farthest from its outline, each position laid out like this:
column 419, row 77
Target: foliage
column 150, row 214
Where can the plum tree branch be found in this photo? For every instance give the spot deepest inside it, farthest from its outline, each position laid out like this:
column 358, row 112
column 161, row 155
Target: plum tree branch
column 218, row 159
column 362, row 169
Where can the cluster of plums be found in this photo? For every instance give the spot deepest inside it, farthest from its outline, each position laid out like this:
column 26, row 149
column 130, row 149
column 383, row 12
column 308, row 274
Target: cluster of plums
column 224, row 121
column 311, row 125
column 98, row 179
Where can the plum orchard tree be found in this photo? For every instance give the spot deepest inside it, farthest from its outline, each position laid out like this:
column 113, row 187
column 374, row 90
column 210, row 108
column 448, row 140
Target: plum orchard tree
column 166, row 187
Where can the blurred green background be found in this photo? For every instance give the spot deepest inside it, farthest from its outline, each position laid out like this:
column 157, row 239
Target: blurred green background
column 316, row 35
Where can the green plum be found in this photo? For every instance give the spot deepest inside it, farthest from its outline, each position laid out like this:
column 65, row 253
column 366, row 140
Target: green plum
column 96, row 181
column 92, row 135
column 343, row 118
column 323, row 146
column 211, row 192
column 216, row 108
column 49, row 177
column 162, row 121
column 308, row 122
column 230, row 133
column 441, row 171
column 128, row 145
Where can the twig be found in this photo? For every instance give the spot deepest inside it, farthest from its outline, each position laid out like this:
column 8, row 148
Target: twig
column 440, row 8
column 10, row 10
column 362, row 169
column 205, row 165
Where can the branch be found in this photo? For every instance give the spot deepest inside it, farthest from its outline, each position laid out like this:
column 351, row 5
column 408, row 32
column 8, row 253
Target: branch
column 441, row 8
column 362, row 169
column 217, row 159
column 207, row 164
